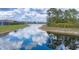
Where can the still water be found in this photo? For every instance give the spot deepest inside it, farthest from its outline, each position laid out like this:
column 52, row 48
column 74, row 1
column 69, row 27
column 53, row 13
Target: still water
column 30, row 38
column 24, row 39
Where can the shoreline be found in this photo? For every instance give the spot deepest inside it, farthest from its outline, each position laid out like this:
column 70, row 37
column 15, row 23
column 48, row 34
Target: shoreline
column 61, row 31
column 6, row 29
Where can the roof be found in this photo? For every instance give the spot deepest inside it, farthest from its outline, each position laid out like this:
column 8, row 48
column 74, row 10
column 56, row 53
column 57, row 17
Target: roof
column 7, row 20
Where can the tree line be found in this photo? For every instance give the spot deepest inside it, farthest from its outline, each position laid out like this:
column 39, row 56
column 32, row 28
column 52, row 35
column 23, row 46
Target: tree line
column 60, row 15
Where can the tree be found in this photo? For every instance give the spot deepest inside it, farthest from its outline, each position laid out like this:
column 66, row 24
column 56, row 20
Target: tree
column 70, row 15
column 54, row 14
column 60, row 16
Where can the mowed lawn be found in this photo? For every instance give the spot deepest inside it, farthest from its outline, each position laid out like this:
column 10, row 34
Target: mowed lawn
column 6, row 28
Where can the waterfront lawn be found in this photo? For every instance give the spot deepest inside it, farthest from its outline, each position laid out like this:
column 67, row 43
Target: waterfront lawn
column 5, row 28
column 64, row 25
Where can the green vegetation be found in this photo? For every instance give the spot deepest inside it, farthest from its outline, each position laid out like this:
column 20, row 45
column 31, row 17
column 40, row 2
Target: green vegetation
column 66, row 24
column 66, row 18
column 16, row 23
column 5, row 28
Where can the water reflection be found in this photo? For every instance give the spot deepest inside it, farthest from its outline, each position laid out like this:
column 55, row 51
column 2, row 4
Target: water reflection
column 61, row 42
column 33, row 38
column 28, row 38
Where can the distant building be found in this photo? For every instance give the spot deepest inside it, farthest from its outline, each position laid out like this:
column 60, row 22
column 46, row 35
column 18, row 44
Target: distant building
column 7, row 22
column 34, row 22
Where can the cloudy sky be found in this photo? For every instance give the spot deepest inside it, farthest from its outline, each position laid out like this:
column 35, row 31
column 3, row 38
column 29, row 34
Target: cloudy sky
column 26, row 14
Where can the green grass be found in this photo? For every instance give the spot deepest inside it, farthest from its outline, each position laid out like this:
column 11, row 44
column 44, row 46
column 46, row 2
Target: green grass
column 64, row 25
column 11, row 27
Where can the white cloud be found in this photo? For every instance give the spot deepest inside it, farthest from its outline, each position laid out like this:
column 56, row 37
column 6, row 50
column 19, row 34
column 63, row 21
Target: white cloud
column 24, row 13
column 36, row 16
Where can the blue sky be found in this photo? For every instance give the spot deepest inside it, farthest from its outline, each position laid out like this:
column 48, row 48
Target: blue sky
column 24, row 14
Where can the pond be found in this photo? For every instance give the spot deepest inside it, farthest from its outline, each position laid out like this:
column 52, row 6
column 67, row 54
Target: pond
column 32, row 38
column 25, row 39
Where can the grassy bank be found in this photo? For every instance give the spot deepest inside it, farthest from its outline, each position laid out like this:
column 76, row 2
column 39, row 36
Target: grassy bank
column 5, row 28
column 61, row 31
column 64, row 25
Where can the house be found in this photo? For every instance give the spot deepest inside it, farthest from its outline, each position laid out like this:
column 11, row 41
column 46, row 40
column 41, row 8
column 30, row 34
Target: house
column 7, row 22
